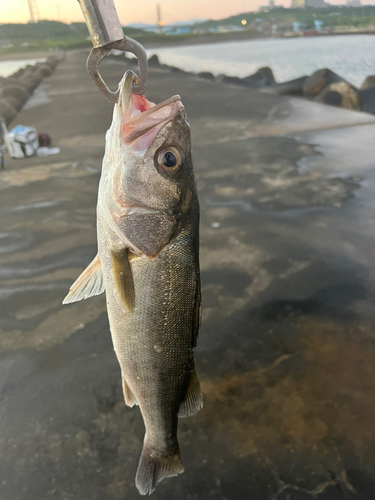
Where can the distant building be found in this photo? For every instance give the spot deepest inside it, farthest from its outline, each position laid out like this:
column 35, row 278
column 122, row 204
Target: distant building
column 296, row 4
column 353, row 3
column 315, row 3
column 177, row 30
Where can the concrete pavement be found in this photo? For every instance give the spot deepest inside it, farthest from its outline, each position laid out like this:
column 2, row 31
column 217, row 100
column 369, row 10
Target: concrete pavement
column 287, row 348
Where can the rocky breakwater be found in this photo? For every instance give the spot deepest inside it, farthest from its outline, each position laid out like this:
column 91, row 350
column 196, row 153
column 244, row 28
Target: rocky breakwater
column 324, row 85
column 17, row 89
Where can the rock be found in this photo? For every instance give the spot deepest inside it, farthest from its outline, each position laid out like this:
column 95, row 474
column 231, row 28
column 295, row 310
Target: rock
column 43, row 70
column 229, row 80
column 292, row 87
column 8, row 82
column 30, row 79
column 173, row 69
column 262, row 78
column 16, row 91
column 153, row 61
column 207, row 75
column 267, row 73
column 341, row 94
column 7, row 111
column 16, row 103
column 368, row 82
column 367, row 97
column 319, row 80
column 53, row 61
column 18, row 73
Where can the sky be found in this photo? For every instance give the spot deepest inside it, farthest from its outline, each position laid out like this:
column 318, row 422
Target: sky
column 16, row 11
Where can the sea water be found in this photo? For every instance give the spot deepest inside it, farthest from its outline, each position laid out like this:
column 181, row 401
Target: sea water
column 7, row 68
column 351, row 56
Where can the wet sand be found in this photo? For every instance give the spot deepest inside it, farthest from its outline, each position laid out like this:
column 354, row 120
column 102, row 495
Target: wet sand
column 286, row 352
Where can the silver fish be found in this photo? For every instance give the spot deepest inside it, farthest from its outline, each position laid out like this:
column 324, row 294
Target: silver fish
column 148, row 265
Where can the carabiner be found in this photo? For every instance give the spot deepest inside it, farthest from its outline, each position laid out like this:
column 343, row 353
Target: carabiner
column 127, row 44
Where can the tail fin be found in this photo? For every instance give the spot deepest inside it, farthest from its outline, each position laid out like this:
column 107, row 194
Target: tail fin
column 154, row 466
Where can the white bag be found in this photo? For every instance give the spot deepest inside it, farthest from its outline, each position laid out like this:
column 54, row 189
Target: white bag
column 22, row 141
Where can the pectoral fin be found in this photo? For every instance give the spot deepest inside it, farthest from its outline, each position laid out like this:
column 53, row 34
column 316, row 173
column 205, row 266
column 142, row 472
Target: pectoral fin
column 88, row 284
column 123, row 278
column 193, row 401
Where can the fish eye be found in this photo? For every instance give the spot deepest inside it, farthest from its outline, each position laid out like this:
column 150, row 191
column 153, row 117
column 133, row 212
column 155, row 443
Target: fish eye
column 169, row 160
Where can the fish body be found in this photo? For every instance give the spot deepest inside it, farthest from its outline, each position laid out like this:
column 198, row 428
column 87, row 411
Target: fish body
column 148, row 264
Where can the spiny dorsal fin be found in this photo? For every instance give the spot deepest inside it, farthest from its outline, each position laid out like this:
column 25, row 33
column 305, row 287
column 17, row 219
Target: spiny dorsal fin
column 123, row 278
column 129, row 397
column 88, row 284
column 193, row 401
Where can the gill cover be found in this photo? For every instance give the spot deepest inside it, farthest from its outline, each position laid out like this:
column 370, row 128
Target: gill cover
column 138, row 201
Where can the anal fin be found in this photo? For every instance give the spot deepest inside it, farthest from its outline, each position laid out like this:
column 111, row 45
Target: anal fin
column 193, row 401
column 129, row 397
column 123, row 278
column 88, row 284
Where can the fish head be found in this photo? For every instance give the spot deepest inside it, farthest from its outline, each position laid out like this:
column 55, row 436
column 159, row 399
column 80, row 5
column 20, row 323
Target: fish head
column 150, row 173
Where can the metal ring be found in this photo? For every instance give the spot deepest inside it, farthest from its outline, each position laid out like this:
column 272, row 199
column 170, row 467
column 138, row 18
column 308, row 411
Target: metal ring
column 126, row 45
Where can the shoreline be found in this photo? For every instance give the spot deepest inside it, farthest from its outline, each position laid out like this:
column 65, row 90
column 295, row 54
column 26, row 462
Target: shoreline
column 156, row 41
column 237, row 37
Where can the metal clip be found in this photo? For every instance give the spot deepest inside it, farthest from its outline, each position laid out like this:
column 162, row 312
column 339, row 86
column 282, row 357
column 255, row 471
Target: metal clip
column 106, row 34
column 102, row 21
column 127, row 45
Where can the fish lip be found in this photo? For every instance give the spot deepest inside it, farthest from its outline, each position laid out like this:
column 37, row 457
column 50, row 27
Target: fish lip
column 152, row 110
column 138, row 119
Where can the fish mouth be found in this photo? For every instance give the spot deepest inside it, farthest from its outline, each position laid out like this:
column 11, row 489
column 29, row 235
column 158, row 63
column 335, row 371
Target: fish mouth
column 142, row 119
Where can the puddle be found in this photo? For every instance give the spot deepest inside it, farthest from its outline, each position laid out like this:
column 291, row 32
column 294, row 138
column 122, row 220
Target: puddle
column 39, row 97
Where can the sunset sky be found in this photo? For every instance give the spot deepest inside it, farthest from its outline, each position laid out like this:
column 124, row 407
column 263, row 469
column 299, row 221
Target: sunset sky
column 16, row 11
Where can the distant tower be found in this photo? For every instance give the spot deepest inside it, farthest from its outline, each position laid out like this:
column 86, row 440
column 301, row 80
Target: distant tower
column 34, row 11
column 160, row 22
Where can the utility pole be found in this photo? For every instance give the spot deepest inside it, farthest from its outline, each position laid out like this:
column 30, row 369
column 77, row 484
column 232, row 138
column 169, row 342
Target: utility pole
column 34, row 11
column 160, row 22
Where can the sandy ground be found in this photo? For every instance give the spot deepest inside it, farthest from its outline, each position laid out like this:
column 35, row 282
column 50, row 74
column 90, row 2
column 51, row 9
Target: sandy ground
column 287, row 349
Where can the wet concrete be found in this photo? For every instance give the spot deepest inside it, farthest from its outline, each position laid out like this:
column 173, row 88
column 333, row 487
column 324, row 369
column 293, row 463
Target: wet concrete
column 286, row 353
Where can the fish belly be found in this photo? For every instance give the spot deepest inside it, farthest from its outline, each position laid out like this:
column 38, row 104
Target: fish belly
column 153, row 342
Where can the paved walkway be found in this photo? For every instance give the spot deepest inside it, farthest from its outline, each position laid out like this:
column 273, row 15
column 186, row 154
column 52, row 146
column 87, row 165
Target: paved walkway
column 287, row 347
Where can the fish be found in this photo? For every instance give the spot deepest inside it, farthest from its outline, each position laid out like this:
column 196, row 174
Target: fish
column 148, row 265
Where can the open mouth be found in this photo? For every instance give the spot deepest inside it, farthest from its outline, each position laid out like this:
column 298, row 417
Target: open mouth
column 143, row 119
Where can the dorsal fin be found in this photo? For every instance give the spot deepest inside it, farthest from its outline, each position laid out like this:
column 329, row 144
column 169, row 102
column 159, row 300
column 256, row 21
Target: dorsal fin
column 88, row 284
column 123, row 278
